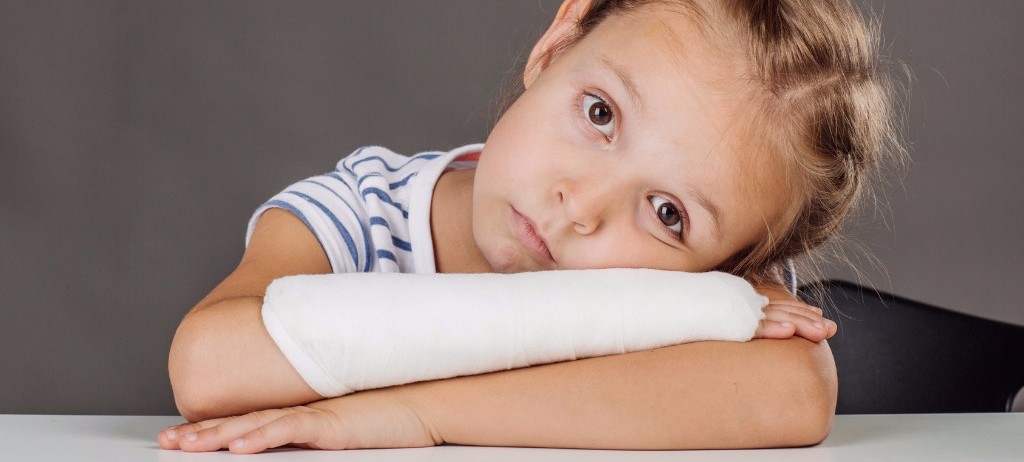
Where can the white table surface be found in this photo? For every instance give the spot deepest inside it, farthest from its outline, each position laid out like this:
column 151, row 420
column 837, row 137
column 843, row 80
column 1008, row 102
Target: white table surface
column 925, row 437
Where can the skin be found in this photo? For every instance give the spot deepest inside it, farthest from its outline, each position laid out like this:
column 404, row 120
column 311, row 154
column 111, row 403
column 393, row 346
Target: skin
column 587, row 189
column 592, row 190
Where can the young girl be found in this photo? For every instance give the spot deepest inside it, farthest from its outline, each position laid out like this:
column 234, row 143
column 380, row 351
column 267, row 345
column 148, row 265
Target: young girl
column 684, row 135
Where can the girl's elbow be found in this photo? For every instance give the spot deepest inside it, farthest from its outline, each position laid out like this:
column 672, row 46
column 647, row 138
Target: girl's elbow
column 193, row 408
column 193, row 377
column 193, row 398
column 801, row 398
column 817, row 420
column 823, row 412
column 817, row 393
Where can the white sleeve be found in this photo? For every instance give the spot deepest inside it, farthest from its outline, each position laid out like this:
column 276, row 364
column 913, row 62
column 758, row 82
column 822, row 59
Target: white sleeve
column 349, row 332
column 333, row 211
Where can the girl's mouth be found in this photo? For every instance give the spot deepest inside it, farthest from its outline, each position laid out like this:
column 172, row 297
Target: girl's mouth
column 528, row 237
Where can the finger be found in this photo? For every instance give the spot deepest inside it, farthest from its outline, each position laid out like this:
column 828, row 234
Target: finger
column 167, row 438
column 218, row 436
column 170, row 437
column 797, row 304
column 774, row 330
column 832, row 327
column 815, row 315
column 812, row 313
column 807, row 327
column 299, row 427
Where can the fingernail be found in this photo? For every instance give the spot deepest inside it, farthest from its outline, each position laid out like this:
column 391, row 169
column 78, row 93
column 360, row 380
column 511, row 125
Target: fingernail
column 191, row 437
column 238, row 444
column 171, row 434
column 787, row 324
column 819, row 324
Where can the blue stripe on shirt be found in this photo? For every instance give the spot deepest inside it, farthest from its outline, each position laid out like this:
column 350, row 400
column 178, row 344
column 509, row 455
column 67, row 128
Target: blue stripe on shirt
column 401, row 244
column 366, row 233
column 384, row 197
column 394, row 240
column 374, row 220
column 386, row 255
column 402, row 182
column 349, row 242
column 359, row 184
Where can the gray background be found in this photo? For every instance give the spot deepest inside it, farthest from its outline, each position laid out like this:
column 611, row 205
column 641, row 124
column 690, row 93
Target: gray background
column 136, row 137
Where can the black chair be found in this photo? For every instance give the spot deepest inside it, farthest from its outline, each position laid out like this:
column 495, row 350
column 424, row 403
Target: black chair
column 896, row 355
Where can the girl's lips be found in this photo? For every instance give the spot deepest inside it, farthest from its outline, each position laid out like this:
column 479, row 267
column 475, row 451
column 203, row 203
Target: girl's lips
column 528, row 237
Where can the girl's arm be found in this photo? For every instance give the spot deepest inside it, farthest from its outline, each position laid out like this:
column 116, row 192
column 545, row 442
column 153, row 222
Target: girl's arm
column 709, row 394
column 688, row 397
column 763, row 393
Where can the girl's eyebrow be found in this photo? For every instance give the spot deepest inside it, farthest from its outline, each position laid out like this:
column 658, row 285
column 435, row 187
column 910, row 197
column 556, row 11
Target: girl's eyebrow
column 716, row 213
column 627, row 82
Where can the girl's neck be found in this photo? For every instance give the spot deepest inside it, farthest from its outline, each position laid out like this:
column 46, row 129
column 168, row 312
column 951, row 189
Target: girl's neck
column 451, row 225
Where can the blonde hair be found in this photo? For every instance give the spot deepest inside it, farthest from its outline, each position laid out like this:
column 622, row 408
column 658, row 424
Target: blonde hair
column 827, row 109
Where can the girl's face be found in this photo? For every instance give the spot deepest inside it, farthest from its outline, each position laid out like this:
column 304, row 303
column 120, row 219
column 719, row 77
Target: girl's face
column 629, row 150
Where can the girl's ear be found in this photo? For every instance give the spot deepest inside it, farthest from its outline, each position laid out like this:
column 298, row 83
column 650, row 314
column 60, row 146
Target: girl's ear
column 562, row 28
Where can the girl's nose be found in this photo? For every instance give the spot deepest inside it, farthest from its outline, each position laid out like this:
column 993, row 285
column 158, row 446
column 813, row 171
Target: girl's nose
column 583, row 204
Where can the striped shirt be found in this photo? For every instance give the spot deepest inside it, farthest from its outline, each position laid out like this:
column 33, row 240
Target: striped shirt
column 372, row 213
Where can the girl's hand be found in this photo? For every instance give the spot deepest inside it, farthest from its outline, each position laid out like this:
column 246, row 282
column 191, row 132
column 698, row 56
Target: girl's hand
column 371, row 419
column 785, row 317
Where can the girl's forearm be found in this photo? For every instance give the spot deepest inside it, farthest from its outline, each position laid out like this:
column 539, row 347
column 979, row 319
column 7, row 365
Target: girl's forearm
column 764, row 393
column 223, row 362
column 700, row 395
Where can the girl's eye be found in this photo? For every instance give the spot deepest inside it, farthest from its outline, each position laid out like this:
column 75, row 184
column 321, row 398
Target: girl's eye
column 599, row 114
column 668, row 213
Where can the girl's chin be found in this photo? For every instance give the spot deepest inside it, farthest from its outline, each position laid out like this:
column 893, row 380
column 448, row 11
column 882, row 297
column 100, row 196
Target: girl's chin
column 511, row 267
column 511, row 260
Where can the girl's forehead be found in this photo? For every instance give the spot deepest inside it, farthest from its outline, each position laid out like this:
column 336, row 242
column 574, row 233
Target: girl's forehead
column 655, row 30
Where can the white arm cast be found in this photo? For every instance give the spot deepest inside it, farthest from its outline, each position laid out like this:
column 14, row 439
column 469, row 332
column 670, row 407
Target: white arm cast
column 356, row 331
